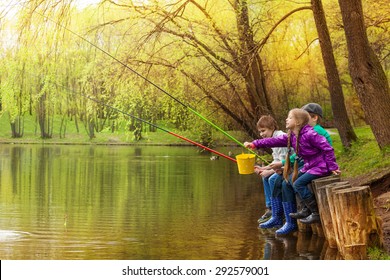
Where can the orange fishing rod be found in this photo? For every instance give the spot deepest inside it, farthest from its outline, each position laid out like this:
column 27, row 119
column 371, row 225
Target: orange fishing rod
column 147, row 122
column 152, row 83
column 161, row 128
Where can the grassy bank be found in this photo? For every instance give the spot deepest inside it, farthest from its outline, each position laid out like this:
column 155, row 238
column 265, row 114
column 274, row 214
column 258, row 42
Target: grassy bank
column 363, row 157
column 73, row 135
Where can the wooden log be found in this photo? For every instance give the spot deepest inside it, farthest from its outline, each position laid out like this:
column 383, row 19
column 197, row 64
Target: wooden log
column 319, row 229
column 356, row 216
column 301, row 226
column 323, row 207
column 316, row 229
column 306, row 228
column 323, row 181
column 333, row 237
column 329, row 253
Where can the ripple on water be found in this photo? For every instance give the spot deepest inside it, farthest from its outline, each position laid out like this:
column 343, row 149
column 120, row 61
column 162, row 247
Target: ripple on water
column 7, row 235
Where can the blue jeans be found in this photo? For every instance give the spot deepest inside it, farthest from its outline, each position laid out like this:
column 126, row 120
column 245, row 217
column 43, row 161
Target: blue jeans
column 300, row 185
column 288, row 193
column 283, row 190
column 268, row 184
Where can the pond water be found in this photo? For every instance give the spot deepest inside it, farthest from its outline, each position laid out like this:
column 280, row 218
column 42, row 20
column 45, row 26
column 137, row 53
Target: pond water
column 64, row 202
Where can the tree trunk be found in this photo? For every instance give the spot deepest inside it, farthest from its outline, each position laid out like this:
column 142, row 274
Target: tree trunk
column 251, row 66
column 17, row 127
column 368, row 76
column 44, row 121
column 341, row 119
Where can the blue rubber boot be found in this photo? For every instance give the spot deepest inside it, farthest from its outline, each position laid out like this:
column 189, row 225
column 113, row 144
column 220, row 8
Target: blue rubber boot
column 291, row 223
column 277, row 214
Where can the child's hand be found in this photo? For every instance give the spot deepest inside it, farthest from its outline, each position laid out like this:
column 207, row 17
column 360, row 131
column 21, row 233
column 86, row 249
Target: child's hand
column 258, row 170
column 276, row 165
column 336, row 172
column 267, row 173
column 249, row 145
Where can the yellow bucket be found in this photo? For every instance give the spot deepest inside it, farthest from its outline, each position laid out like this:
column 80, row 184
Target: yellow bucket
column 246, row 163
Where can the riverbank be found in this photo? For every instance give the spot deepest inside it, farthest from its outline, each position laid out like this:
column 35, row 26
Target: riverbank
column 364, row 157
column 362, row 164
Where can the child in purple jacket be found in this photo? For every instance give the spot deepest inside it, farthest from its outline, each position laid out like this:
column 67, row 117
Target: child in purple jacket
column 317, row 154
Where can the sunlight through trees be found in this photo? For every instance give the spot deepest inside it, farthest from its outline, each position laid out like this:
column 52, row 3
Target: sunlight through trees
column 231, row 60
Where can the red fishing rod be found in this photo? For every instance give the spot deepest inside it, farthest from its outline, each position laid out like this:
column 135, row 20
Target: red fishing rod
column 200, row 145
column 145, row 121
column 153, row 84
column 163, row 129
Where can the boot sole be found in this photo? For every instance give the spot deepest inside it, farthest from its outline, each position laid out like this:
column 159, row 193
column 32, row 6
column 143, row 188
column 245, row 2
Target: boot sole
column 259, row 221
column 273, row 227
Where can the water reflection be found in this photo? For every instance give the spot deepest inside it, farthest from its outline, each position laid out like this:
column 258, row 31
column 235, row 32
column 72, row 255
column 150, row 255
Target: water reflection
column 98, row 202
column 297, row 246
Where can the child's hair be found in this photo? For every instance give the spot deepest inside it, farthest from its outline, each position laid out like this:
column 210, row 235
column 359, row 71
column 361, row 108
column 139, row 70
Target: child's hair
column 315, row 115
column 301, row 118
column 267, row 122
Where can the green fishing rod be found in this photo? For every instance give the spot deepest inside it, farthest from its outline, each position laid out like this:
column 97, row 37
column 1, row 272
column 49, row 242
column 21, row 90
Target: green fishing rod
column 150, row 82
column 145, row 121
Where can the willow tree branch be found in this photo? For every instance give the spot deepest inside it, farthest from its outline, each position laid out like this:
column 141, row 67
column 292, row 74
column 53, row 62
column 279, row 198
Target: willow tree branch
column 265, row 39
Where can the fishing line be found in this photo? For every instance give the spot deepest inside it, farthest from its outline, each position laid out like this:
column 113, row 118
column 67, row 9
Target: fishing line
column 144, row 121
column 150, row 82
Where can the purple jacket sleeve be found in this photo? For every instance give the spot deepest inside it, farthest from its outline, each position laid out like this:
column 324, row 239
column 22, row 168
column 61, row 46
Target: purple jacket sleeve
column 328, row 151
column 273, row 142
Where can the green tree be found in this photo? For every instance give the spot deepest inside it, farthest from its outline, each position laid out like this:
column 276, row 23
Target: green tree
column 231, row 60
column 215, row 47
column 14, row 86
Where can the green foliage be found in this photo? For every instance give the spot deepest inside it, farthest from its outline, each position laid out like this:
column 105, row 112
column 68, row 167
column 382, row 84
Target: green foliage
column 377, row 254
column 50, row 63
column 204, row 134
column 363, row 156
